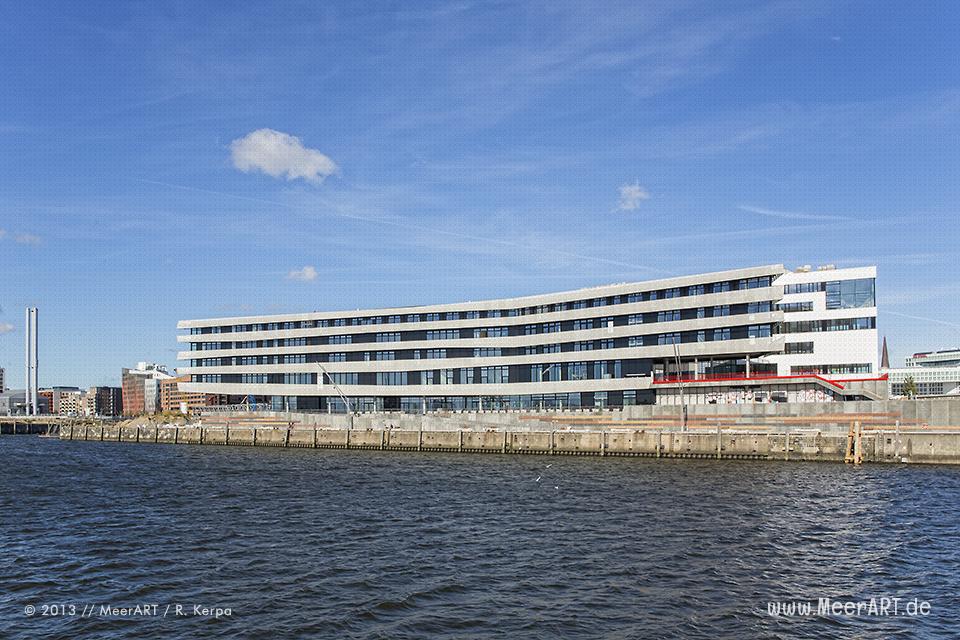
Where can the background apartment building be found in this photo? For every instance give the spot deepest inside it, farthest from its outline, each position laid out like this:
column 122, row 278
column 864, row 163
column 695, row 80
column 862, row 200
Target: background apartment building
column 141, row 390
column 935, row 373
column 103, row 401
column 62, row 401
column 173, row 399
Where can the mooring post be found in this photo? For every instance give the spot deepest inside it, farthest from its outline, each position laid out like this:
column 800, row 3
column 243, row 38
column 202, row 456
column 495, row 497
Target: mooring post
column 176, row 434
column 719, row 442
column 460, row 444
column 786, row 442
column 553, row 435
column 383, row 438
column 896, row 446
column 659, row 441
column 603, row 442
column 346, row 440
column 858, row 445
column 314, row 436
column 286, row 437
column 138, row 433
column 503, row 449
column 848, row 450
column 420, row 438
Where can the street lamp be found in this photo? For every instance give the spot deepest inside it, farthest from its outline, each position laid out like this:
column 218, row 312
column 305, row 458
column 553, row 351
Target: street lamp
column 547, row 370
column 542, row 373
column 683, row 400
column 336, row 387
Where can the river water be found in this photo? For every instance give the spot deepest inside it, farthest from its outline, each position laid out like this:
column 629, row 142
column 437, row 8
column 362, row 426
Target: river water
column 285, row 543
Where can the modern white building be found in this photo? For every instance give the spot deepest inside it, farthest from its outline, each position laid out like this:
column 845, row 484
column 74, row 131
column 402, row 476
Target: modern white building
column 935, row 373
column 692, row 336
column 829, row 323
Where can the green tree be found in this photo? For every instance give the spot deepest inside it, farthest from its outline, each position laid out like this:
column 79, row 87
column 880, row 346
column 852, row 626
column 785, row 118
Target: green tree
column 910, row 387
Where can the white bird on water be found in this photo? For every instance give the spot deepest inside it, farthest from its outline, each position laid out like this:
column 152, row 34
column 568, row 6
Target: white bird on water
column 538, row 478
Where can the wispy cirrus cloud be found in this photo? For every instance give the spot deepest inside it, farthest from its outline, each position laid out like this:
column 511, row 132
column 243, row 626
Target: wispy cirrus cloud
column 27, row 238
column 909, row 316
column 279, row 154
column 788, row 215
column 22, row 237
column 655, row 47
column 6, row 327
column 306, row 274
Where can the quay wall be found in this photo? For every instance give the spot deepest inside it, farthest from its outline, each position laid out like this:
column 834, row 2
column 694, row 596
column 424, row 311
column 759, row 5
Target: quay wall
column 934, row 412
column 826, row 416
column 916, row 446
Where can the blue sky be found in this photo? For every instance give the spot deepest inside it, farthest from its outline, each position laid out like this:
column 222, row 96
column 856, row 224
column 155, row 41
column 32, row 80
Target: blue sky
column 457, row 151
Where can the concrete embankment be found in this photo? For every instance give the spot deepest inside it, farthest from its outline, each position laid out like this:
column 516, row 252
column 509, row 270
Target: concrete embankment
column 14, row 427
column 913, row 446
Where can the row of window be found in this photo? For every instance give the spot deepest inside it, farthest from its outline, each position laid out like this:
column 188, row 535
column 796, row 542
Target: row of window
column 840, row 294
column 644, row 296
column 599, row 370
column 831, row 369
column 794, row 307
column 817, row 326
column 923, row 389
column 706, row 335
column 794, row 348
column 273, row 378
column 416, row 404
column 500, row 332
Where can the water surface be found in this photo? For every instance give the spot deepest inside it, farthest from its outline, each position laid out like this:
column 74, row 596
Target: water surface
column 368, row 544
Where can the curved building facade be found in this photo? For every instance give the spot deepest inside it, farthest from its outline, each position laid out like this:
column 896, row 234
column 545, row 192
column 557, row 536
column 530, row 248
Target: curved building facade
column 601, row 346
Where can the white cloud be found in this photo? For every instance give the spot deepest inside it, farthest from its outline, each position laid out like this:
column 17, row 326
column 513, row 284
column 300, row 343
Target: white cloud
column 280, row 154
column 6, row 328
column 630, row 196
column 27, row 238
column 306, row 274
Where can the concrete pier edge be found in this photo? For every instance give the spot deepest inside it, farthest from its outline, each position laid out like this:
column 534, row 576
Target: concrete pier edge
column 928, row 446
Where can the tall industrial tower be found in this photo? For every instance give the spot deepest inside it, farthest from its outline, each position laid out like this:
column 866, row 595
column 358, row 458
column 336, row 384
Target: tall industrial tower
column 30, row 369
